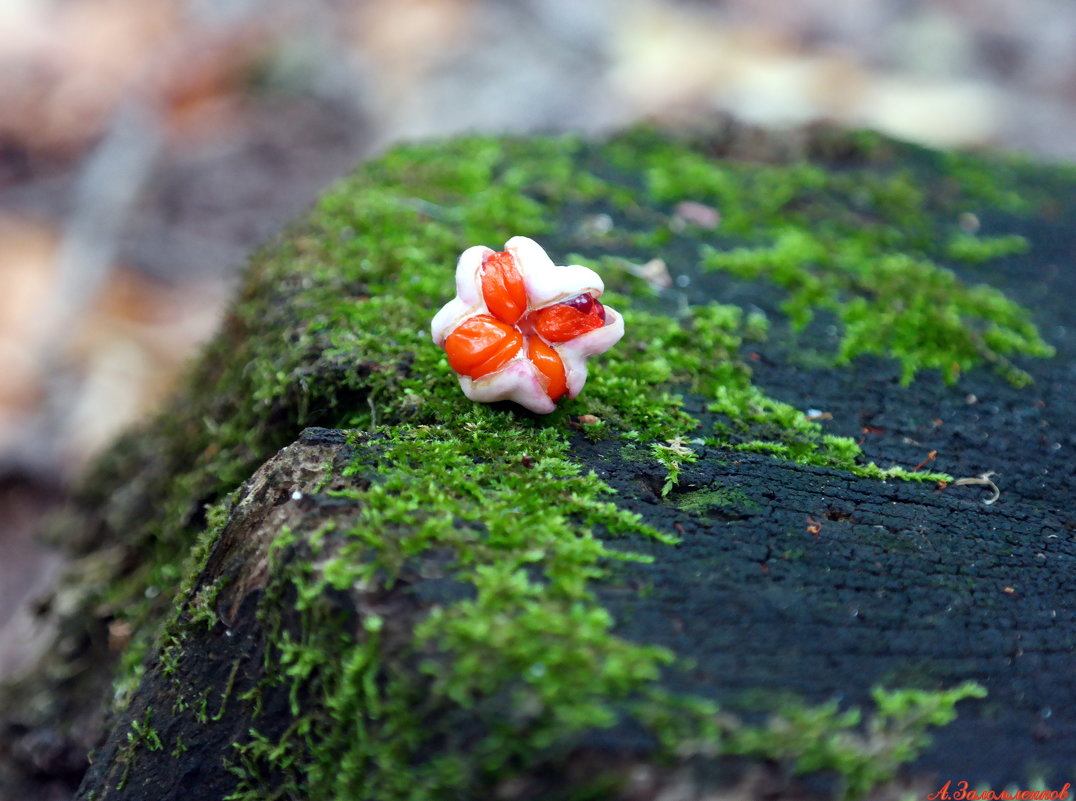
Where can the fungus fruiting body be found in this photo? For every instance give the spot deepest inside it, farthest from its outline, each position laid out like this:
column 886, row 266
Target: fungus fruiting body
column 521, row 327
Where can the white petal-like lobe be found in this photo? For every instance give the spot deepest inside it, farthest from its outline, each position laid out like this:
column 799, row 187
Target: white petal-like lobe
column 468, row 301
column 546, row 282
column 517, row 381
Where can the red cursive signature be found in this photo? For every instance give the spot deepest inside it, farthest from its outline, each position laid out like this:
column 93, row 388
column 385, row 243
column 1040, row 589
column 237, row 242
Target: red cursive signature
column 959, row 791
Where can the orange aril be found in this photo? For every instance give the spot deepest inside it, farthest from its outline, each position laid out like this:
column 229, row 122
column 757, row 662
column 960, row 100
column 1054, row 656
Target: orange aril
column 550, row 367
column 481, row 345
column 567, row 320
column 503, row 288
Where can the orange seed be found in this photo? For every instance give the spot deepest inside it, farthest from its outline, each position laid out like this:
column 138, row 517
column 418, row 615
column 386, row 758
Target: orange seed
column 503, row 288
column 569, row 319
column 550, row 367
column 481, row 345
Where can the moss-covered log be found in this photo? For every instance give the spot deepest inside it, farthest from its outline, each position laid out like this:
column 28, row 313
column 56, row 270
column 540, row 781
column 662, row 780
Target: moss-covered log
column 726, row 563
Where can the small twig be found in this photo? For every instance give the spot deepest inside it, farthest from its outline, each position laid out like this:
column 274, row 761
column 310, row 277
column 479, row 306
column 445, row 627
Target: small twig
column 984, row 480
column 930, row 458
column 373, row 414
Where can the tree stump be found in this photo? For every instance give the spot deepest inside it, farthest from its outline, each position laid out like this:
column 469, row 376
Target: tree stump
column 816, row 504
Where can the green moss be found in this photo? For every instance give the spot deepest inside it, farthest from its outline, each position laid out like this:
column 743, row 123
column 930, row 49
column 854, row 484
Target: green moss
column 332, row 329
column 863, row 754
column 704, row 501
column 974, row 249
column 528, row 655
column 203, row 607
column 672, row 455
column 891, row 304
column 859, row 243
column 863, row 748
column 331, row 323
column 990, row 183
column 141, row 735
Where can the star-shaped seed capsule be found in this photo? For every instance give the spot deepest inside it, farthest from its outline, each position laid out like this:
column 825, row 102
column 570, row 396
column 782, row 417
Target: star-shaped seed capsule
column 521, row 327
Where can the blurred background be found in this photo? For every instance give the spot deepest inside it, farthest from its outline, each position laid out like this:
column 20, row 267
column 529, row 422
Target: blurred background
column 146, row 147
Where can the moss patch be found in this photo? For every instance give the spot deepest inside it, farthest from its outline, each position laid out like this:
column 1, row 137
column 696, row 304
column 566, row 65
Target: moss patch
column 704, row 501
column 513, row 665
column 867, row 244
column 332, row 329
column 528, row 641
